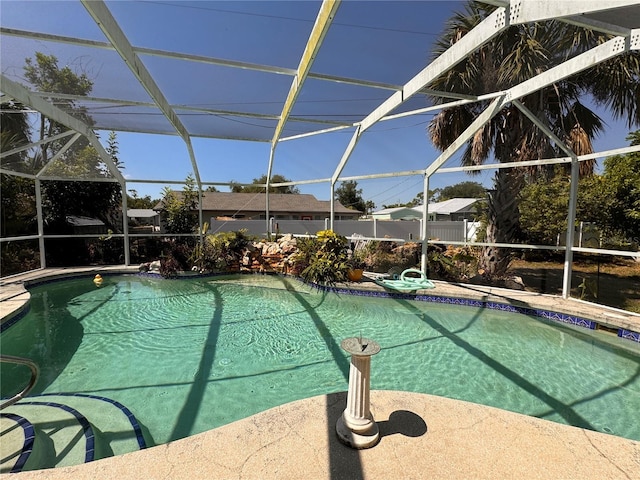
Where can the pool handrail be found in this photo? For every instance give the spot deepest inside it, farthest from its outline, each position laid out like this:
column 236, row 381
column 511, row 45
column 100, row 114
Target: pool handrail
column 32, row 381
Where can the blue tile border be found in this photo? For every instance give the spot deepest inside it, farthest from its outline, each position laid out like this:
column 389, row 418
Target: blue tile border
column 29, row 438
column 629, row 335
column 547, row 315
column 13, row 320
column 130, row 416
column 89, row 455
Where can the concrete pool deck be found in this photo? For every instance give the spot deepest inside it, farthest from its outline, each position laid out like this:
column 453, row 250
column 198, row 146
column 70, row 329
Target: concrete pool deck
column 422, row 436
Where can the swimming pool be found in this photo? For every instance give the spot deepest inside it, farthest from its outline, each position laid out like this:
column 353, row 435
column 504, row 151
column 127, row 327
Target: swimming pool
column 189, row 355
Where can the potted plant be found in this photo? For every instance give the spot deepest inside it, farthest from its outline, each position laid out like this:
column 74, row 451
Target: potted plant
column 356, row 266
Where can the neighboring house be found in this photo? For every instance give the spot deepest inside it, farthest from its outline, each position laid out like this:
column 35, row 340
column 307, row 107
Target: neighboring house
column 251, row 206
column 397, row 213
column 455, row 209
column 144, row 219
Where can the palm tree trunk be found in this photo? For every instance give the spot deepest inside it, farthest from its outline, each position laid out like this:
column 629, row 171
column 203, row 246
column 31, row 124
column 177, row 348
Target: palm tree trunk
column 502, row 224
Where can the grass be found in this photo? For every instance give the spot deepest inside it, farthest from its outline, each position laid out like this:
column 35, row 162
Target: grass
column 615, row 283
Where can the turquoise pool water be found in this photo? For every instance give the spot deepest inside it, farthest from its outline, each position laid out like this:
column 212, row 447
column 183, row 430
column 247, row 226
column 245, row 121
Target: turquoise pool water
column 189, row 355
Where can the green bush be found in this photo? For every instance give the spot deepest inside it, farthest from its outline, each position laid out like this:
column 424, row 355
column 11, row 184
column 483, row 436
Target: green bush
column 220, row 251
column 326, row 258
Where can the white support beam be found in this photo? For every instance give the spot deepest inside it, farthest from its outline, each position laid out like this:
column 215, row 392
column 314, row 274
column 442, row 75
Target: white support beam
column 590, row 58
column 269, row 170
column 597, row 26
column 109, row 26
column 47, row 109
column 58, row 154
column 482, row 33
column 17, row 174
column 40, row 220
column 441, row 106
column 605, row 51
column 571, row 220
column 488, row 113
column 35, row 144
column 545, row 161
column 545, row 129
column 571, row 215
column 345, row 156
column 203, row 59
column 424, row 257
column 525, row 11
column 320, row 28
column 316, row 132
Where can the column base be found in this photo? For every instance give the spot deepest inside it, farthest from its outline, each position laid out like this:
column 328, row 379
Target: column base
column 360, row 440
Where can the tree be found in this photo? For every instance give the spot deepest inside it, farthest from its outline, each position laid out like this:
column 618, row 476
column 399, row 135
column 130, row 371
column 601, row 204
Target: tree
column 100, row 200
column 543, row 209
column 370, row 206
column 262, row 181
column 178, row 212
column 135, row 201
column 459, row 190
column 611, row 201
column 349, row 195
column 618, row 191
column 15, row 132
column 63, row 198
column 511, row 57
column 45, row 76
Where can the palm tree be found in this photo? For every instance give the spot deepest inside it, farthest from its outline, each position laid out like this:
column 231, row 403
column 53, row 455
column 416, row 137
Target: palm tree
column 14, row 133
column 517, row 54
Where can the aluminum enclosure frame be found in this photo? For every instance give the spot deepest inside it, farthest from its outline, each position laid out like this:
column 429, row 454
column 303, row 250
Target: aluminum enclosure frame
column 508, row 13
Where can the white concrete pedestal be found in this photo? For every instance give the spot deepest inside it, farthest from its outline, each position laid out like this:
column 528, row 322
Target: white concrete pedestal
column 356, row 427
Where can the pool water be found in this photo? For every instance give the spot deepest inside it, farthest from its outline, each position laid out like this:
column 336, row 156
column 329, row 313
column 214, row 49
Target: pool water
column 189, row 355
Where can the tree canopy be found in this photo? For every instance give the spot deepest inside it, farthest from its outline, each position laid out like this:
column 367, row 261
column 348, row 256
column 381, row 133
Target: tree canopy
column 46, row 76
column 610, row 201
column 178, row 212
column 617, row 192
column 350, row 196
column 459, row 190
column 60, row 199
column 257, row 188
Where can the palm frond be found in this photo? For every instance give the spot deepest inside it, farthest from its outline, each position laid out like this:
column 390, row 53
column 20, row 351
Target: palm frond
column 481, row 144
column 616, row 85
column 447, row 125
column 524, row 56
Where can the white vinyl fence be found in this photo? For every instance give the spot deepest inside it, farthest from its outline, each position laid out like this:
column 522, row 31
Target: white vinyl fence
column 461, row 231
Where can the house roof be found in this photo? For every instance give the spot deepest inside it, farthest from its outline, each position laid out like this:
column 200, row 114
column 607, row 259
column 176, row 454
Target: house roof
column 397, row 213
column 80, row 221
column 453, row 205
column 141, row 213
column 278, row 202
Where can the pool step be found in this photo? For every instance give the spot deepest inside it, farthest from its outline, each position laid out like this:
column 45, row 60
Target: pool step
column 48, row 431
column 17, row 435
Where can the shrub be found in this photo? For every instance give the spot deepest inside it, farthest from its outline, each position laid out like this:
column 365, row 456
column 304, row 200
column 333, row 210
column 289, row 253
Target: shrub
column 326, row 257
column 220, row 251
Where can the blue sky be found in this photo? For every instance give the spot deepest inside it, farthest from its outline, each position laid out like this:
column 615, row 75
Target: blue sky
column 387, row 49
